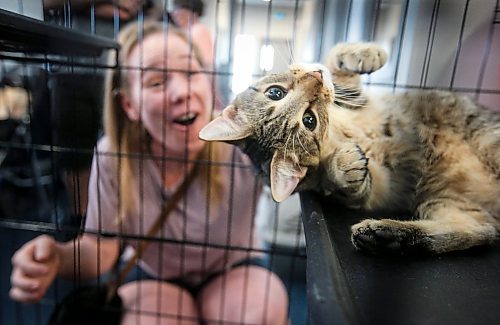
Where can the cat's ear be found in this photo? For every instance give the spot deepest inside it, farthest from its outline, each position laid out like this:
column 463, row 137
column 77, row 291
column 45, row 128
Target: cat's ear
column 285, row 176
column 226, row 127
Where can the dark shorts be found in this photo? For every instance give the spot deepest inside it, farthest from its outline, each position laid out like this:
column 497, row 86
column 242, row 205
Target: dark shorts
column 139, row 274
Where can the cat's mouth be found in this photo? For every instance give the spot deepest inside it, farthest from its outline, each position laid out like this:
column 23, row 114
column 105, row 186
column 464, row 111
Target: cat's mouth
column 186, row 119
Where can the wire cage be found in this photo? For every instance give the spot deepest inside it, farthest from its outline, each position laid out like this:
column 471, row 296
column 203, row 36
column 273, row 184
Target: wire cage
column 53, row 65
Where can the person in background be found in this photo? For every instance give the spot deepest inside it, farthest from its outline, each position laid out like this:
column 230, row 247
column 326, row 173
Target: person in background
column 187, row 14
column 99, row 17
column 77, row 90
column 208, row 270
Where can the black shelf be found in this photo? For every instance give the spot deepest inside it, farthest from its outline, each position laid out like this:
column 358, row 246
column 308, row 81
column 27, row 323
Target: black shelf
column 348, row 287
column 27, row 35
column 328, row 292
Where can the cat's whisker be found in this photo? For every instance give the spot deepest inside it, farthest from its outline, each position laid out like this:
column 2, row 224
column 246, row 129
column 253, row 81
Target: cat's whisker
column 286, row 145
column 302, row 145
column 347, row 88
column 349, row 97
column 290, row 52
column 352, row 96
column 296, row 161
column 282, row 56
column 354, row 93
column 351, row 103
column 348, row 92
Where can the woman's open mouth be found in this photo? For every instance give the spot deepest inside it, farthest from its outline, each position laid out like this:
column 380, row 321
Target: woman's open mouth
column 186, row 119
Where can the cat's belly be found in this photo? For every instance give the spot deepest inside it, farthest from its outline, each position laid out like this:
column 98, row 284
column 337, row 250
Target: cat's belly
column 466, row 174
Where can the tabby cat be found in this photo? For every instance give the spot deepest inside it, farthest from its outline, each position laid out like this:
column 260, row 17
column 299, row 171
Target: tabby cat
column 434, row 153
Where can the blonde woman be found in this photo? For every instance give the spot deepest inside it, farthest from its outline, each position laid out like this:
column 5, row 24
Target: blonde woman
column 201, row 267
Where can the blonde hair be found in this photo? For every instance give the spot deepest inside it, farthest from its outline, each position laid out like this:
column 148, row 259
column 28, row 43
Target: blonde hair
column 127, row 137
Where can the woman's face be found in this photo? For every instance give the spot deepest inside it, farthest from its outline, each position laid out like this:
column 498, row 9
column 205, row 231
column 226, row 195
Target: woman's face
column 169, row 94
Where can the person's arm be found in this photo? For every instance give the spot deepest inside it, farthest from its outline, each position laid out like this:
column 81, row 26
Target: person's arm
column 53, row 4
column 94, row 256
column 36, row 264
column 39, row 261
column 103, row 8
column 203, row 39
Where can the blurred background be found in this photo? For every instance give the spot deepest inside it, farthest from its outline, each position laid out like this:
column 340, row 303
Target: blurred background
column 445, row 44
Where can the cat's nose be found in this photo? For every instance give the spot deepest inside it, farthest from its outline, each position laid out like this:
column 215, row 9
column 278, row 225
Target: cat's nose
column 318, row 74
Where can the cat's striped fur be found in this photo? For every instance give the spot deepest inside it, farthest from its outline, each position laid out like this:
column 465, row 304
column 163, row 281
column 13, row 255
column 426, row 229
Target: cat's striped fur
column 434, row 153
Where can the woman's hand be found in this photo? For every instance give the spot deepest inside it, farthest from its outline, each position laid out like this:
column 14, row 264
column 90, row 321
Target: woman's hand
column 127, row 9
column 34, row 267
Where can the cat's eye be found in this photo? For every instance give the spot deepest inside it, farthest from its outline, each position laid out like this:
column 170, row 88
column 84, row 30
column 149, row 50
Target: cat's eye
column 275, row 93
column 309, row 120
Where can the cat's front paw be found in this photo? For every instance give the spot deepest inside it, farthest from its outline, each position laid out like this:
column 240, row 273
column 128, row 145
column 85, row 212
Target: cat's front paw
column 388, row 236
column 356, row 57
column 349, row 169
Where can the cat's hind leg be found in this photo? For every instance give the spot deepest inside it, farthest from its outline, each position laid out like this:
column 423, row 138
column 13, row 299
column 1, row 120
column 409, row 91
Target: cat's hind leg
column 446, row 226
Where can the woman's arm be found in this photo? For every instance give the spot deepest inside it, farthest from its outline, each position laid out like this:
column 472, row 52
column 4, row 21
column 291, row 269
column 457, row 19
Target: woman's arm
column 53, row 4
column 103, row 8
column 36, row 264
column 90, row 255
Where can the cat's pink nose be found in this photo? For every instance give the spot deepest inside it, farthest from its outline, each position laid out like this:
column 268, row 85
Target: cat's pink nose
column 318, row 74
